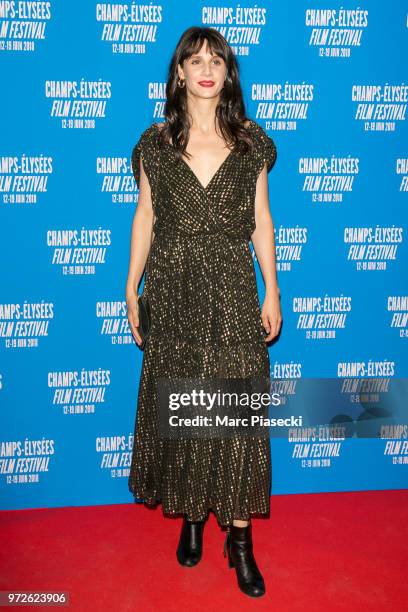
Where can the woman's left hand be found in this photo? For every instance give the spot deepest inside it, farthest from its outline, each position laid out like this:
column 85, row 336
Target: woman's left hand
column 271, row 314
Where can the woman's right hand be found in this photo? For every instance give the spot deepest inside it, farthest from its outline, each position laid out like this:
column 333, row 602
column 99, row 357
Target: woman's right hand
column 133, row 314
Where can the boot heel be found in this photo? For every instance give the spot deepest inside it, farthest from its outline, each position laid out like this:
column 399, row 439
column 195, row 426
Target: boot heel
column 227, row 551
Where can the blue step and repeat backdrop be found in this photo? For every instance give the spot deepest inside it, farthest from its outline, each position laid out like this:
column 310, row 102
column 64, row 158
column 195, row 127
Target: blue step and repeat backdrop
column 80, row 82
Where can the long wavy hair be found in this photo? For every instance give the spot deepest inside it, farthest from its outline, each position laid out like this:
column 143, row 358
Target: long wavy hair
column 230, row 110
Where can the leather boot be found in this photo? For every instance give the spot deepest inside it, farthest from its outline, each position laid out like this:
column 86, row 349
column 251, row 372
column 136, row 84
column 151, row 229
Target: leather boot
column 190, row 546
column 238, row 543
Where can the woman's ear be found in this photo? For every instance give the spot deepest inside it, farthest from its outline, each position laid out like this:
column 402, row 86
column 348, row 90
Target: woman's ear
column 180, row 72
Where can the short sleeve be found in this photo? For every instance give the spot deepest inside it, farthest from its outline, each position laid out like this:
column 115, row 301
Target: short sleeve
column 147, row 149
column 265, row 150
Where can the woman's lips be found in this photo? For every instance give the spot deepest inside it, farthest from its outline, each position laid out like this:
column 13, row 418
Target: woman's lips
column 206, row 83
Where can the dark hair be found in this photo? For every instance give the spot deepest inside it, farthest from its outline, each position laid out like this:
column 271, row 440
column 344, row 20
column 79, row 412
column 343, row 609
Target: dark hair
column 230, row 110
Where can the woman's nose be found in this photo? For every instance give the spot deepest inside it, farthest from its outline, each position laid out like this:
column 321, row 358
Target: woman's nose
column 207, row 69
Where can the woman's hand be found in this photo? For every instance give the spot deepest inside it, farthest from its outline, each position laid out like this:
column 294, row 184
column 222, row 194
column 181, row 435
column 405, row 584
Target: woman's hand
column 271, row 314
column 133, row 314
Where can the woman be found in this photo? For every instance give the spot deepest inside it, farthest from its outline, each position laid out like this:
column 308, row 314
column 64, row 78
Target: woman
column 203, row 194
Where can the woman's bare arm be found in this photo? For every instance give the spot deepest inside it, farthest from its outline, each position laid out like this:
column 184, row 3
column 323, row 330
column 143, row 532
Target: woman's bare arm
column 263, row 239
column 141, row 238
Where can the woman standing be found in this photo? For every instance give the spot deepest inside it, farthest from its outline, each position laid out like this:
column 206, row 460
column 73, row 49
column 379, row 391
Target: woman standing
column 203, row 194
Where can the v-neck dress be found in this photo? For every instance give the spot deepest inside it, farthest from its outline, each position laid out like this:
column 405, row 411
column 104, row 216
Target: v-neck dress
column 206, row 323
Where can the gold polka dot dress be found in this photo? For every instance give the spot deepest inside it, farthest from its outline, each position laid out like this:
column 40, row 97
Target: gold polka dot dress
column 206, row 323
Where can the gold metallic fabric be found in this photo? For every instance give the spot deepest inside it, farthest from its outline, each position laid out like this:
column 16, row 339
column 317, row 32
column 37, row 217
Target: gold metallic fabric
column 206, row 322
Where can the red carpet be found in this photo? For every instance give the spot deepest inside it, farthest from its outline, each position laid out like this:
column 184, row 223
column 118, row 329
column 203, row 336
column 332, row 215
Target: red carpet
column 331, row 551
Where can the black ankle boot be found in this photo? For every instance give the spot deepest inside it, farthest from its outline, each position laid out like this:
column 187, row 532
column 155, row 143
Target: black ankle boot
column 190, row 546
column 238, row 543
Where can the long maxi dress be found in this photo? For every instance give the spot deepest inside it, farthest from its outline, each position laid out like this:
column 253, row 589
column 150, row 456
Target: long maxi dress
column 206, row 322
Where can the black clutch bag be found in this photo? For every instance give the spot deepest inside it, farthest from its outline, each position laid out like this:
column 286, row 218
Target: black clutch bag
column 145, row 319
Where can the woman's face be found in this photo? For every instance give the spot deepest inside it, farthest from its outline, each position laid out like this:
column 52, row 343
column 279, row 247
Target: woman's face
column 204, row 73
